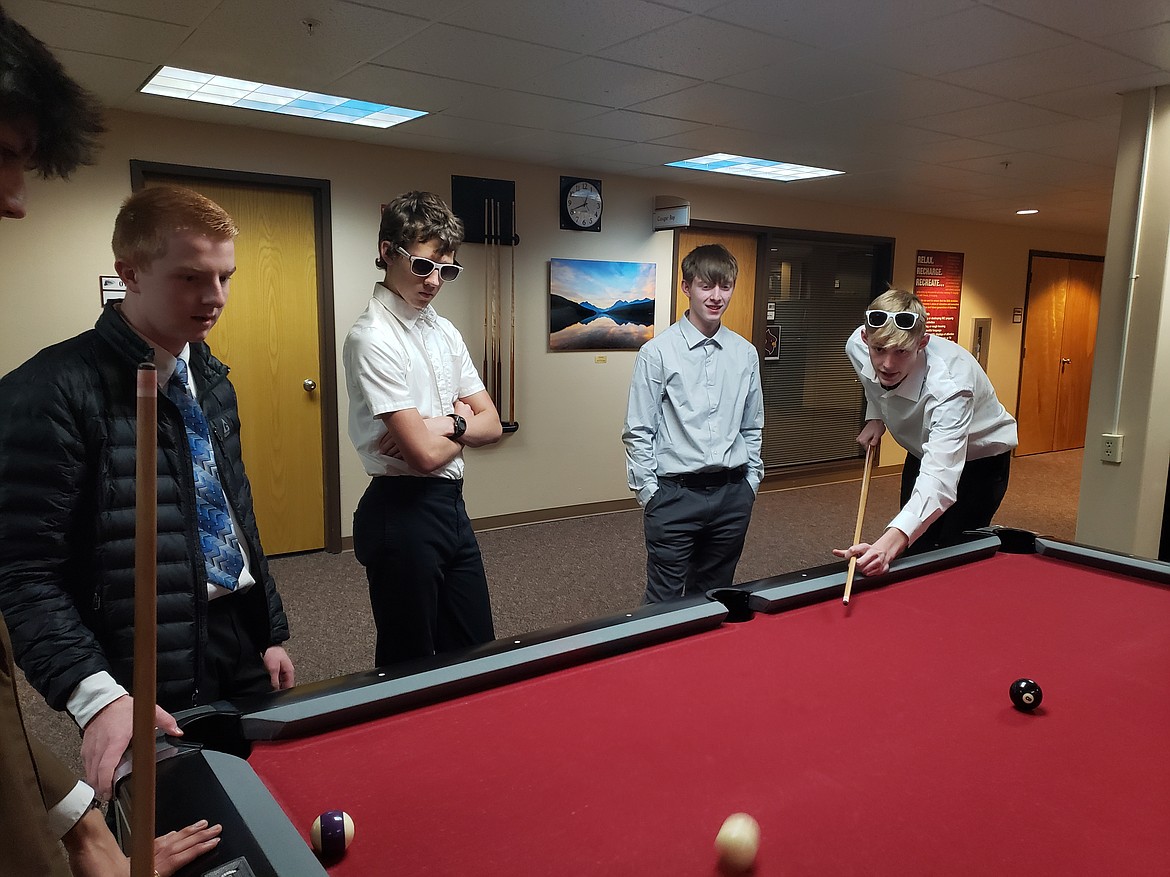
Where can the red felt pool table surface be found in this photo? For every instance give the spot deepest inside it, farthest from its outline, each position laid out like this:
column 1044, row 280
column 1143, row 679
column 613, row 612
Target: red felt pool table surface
column 871, row 739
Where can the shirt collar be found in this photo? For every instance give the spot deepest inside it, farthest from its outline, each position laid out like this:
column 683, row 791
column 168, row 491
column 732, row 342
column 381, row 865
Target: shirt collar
column 910, row 387
column 405, row 314
column 695, row 338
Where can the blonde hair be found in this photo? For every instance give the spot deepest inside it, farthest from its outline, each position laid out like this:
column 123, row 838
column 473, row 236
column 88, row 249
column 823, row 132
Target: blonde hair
column 148, row 218
column 889, row 335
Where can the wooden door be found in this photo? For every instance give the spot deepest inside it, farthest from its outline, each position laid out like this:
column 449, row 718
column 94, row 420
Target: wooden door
column 740, row 313
column 1078, row 345
column 268, row 335
column 1057, row 359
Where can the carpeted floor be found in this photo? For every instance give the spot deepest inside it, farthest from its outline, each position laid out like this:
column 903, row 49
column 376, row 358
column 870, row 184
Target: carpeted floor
column 565, row 571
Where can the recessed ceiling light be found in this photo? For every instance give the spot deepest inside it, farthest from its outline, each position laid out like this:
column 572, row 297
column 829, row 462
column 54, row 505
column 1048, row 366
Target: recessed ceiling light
column 226, row 91
column 1027, row 212
column 743, row 166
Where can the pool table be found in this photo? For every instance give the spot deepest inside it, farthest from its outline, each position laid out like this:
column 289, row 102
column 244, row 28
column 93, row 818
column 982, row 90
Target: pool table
column 874, row 738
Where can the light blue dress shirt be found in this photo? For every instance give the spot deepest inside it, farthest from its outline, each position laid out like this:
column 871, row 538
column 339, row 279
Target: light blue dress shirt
column 695, row 406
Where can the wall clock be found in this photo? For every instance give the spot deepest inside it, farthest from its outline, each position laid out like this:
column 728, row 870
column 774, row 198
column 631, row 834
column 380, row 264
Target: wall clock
column 581, row 204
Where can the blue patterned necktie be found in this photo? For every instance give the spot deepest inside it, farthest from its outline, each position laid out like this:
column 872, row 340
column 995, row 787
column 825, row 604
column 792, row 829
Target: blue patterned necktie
column 221, row 550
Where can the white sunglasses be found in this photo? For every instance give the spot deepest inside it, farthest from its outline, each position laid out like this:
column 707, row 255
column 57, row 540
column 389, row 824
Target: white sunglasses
column 422, row 267
column 904, row 320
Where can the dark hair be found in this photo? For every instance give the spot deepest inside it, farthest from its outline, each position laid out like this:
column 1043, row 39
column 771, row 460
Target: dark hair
column 712, row 263
column 33, row 85
column 417, row 217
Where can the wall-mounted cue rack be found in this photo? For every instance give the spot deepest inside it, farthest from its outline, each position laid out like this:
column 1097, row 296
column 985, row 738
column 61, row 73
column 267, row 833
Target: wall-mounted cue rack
column 488, row 210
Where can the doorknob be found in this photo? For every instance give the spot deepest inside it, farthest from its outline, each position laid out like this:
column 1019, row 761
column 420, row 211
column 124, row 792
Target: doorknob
column 310, row 385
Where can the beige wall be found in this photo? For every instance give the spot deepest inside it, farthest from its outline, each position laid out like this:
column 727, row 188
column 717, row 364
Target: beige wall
column 568, row 450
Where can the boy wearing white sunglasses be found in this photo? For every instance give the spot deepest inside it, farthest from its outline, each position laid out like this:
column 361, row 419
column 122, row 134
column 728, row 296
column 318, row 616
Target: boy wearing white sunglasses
column 938, row 404
column 415, row 402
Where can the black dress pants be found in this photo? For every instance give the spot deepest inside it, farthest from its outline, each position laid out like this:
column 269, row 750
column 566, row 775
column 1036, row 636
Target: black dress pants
column 234, row 667
column 981, row 489
column 428, row 589
column 694, row 537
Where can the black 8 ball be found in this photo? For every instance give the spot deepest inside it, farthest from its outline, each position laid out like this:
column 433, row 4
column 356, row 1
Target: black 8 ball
column 1026, row 695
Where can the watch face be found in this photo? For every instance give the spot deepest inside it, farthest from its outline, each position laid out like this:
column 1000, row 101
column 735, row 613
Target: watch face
column 583, row 204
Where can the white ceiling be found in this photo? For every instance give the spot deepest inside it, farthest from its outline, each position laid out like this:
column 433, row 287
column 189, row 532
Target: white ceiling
column 965, row 108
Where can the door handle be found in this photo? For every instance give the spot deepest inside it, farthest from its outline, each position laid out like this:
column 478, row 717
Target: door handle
column 1063, row 361
column 310, row 385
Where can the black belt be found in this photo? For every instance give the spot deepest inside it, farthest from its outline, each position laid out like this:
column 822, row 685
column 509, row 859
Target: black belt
column 713, row 478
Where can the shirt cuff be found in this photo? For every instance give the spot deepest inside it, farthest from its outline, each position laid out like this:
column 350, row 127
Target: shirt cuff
column 65, row 813
column 92, row 695
column 908, row 524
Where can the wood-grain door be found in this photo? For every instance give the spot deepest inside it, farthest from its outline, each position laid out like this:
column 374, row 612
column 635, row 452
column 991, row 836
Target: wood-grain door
column 268, row 336
column 740, row 313
column 1060, row 332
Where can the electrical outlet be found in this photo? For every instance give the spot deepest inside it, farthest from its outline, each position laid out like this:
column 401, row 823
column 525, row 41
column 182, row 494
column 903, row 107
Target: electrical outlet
column 1111, row 447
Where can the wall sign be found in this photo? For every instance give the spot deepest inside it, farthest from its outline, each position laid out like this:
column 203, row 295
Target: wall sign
column 938, row 282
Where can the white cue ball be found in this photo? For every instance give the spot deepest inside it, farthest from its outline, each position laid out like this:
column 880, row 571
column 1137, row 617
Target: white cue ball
column 738, row 842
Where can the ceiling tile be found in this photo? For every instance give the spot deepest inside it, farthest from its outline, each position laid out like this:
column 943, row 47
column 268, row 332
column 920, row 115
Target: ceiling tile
column 702, row 49
column 979, row 121
column 963, row 39
column 583, row 28
column 457, row 53
column 265, row 40
column 1049, row 70
column 606, row 83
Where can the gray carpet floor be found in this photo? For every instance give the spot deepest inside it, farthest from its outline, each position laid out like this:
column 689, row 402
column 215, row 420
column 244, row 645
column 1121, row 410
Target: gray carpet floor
column 566, row 571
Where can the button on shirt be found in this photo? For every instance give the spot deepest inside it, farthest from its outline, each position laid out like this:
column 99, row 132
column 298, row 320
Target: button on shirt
column 945, row 412
column 398, row 357
column 695, row 406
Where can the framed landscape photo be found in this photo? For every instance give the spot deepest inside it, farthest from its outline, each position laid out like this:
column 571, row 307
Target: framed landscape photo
column 596, row 305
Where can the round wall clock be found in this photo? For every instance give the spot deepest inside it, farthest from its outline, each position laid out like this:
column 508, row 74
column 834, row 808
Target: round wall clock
column 581, row 204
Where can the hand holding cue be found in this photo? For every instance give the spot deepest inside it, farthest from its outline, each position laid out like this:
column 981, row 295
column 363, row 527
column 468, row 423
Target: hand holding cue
column 145, row 624
column 860, row 519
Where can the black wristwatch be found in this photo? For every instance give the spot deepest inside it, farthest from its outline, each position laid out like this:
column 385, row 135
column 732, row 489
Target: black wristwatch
column 460, row 427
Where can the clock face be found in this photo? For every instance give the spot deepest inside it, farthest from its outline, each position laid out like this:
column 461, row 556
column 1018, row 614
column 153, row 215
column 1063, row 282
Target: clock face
column 583, row 204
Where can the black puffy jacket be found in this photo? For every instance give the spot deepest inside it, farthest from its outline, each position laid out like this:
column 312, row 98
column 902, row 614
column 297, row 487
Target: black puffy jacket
column 67, row 498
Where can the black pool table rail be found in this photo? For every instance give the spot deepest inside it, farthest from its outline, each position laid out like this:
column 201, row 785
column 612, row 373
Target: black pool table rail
column 316, row 708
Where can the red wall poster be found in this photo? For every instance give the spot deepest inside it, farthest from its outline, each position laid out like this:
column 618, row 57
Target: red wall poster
column 938, row 282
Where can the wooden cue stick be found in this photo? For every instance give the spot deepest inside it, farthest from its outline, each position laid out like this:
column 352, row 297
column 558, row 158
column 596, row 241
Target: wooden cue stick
column 498, row 360
column 860, row 518
column 512, row 338
column 486, row 288
column 145, row 625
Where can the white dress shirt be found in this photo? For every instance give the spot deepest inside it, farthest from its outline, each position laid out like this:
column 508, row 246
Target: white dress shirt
column 945, row 413
column 398, row 357
column 695, row 405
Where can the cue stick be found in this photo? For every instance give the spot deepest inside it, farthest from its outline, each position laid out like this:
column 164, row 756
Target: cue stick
column 142, row 747
column 860, row 518
column 512, row 339
column 486, row 289
column 498, row 313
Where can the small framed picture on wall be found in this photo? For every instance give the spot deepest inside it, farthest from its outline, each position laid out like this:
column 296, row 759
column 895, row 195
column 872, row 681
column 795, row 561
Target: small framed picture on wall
column 112, row 288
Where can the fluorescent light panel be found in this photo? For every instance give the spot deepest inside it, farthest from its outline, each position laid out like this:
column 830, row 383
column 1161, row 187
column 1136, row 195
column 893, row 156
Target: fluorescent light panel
column 224, row 90
column 743, row 166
